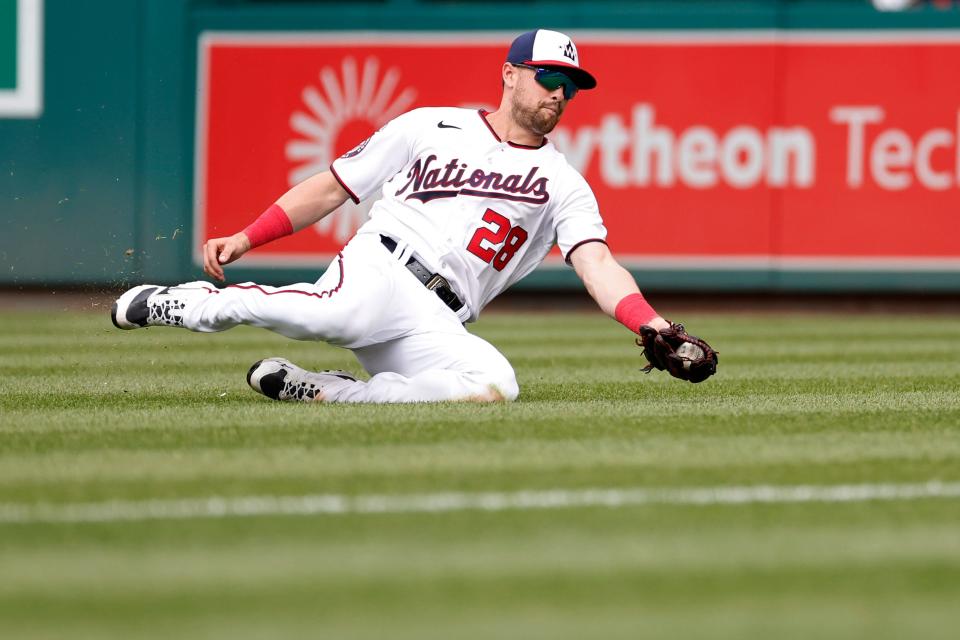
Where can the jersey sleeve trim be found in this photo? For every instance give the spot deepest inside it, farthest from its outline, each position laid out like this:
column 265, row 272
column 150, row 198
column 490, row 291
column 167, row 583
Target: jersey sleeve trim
column 578, row 245
column 343, row 184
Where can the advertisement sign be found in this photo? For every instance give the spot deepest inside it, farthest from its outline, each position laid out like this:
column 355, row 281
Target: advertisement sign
column 21, row 65
column 764, row 149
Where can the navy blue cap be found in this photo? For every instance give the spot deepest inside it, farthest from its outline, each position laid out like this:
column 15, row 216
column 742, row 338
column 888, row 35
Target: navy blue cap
column 552, row 50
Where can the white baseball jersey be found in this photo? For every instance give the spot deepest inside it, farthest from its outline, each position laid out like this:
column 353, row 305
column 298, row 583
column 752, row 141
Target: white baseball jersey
column 481, row 212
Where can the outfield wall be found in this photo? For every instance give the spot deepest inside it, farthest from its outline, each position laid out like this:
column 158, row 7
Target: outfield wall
column 807, row 146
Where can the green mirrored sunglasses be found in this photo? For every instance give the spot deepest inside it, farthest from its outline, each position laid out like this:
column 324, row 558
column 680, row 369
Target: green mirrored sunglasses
column 551, row 80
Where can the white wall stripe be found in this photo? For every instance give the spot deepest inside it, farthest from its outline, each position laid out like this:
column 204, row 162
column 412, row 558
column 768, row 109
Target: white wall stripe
column 26, row 99
column 314, row 505
column 698, row 262
column 657, row 37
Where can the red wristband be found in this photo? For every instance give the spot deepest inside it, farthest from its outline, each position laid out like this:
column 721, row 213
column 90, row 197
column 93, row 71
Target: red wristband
column 634, row 311
column 272, row 224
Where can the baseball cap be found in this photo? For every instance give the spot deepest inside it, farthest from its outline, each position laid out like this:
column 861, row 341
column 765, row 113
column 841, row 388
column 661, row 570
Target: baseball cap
column 551, row 50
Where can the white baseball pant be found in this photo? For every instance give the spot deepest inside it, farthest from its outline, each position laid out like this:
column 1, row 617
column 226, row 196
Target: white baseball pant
column 413, row 346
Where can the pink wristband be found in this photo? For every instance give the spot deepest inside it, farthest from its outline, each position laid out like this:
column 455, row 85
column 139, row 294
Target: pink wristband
column 634, row 311
column 272, row 224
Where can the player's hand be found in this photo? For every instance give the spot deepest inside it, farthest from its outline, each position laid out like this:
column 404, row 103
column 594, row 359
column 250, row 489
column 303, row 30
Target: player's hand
column 220, row 251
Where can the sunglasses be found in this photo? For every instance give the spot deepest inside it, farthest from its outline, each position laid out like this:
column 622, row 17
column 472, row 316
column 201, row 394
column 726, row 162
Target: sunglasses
column 551, row 80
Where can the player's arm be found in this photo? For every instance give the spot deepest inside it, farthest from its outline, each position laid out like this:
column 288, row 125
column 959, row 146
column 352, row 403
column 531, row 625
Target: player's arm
column 665, row 346
column 301, row 206
column 613, row 288
column 312, row 200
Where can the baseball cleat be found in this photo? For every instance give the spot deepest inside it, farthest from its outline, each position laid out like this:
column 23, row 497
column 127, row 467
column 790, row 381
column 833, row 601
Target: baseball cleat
column 151, row 305
column 280, row 379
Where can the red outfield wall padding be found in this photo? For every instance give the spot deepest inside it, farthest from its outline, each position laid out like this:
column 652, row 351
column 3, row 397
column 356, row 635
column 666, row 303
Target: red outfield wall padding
column 805, row 148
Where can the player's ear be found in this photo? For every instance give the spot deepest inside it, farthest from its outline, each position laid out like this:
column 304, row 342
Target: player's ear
column 509, row 75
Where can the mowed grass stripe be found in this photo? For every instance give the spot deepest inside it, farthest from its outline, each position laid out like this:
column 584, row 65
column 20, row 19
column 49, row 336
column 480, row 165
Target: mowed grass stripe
column 312, row 505
column 531, row 454
column 92, row 415
column 775, row 399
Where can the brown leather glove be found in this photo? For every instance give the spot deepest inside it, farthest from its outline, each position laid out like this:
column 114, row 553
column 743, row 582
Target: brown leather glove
column 673, row 349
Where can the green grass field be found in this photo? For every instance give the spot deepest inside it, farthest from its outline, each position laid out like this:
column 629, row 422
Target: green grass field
column 94, row 415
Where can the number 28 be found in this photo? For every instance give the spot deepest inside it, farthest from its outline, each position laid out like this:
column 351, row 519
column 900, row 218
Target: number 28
column 485, row 240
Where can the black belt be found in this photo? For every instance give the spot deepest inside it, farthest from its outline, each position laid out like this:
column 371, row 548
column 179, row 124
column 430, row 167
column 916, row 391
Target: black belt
column 432, row 281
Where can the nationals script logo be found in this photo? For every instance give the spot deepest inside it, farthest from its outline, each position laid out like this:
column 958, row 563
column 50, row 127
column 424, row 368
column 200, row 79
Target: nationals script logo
column 456, row 179
column 342, row 111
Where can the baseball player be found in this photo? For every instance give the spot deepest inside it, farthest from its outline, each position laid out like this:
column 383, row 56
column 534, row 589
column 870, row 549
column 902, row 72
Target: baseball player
column 471, row 202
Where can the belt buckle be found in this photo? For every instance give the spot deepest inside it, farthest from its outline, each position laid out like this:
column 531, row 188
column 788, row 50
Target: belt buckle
column 435, row 282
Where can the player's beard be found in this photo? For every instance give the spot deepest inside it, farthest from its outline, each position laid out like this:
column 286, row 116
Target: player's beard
column 539, row 120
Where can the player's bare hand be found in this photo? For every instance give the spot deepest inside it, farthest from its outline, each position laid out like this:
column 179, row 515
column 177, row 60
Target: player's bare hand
column 221, row 251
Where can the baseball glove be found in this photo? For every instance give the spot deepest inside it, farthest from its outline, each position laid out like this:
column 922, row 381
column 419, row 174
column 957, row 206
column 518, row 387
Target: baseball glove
column 673, row 349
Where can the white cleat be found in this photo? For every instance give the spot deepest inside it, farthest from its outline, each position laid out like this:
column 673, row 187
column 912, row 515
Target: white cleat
column 151, row 305
column 280, row 379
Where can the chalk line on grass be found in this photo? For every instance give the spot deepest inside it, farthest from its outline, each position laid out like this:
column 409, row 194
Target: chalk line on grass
column 333, row 504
